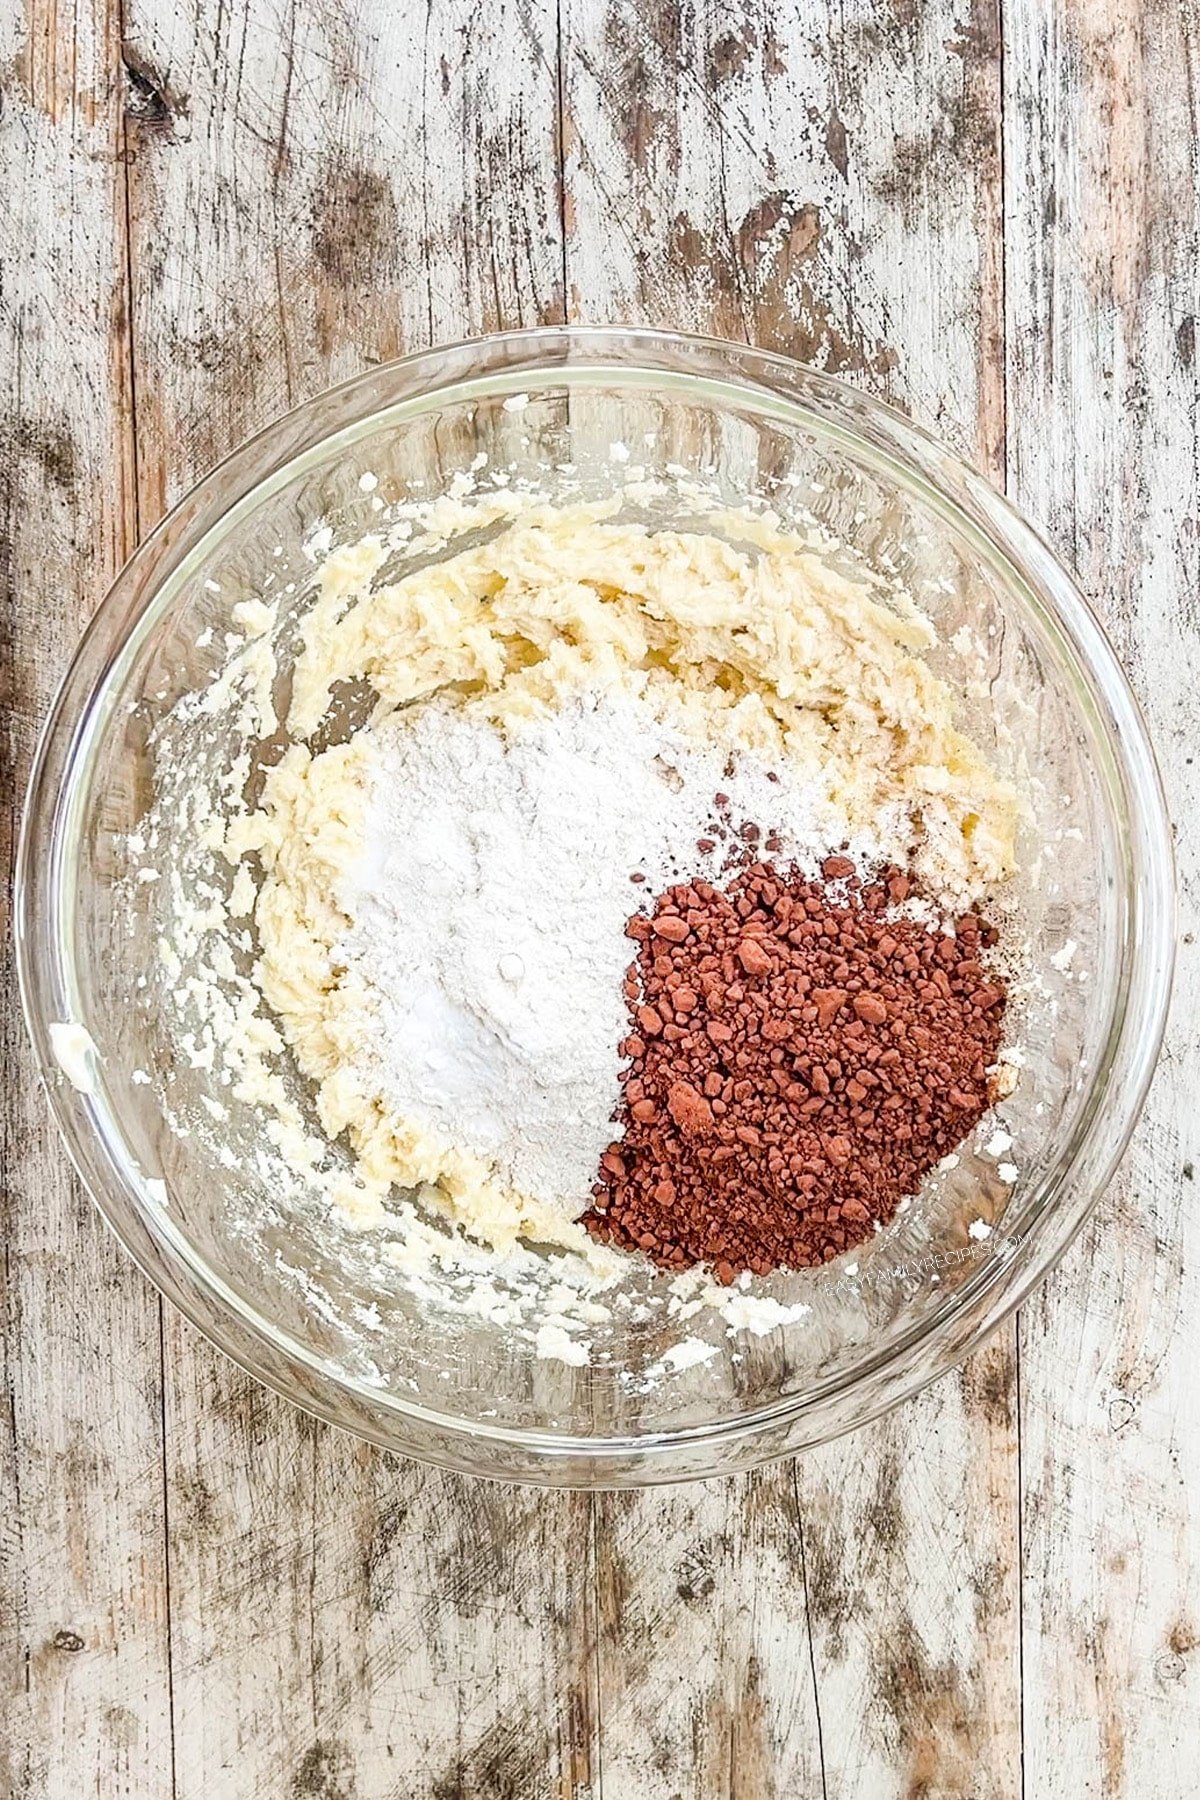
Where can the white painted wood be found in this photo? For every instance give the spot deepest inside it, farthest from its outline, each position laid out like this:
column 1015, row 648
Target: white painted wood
column 830, row 188
column 314, row 187
column 1103, row 228
column 705, row 1683
column 313, row 190
column 84, row 1707
column 911, row 1528
column 911, row 1556
column 318, row 188
column 347, row 1622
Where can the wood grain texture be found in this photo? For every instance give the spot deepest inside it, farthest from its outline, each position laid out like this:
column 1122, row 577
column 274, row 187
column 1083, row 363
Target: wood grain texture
column 1103, row 248
column 84, row 1706
column 313, row 190
column 911, row 1529
column 988, row 216
column 347, row 1622
column 831, row 189
column 669, row 223
column 704, row 1680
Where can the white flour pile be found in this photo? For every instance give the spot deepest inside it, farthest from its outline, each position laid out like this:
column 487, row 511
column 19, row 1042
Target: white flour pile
column 491, row 907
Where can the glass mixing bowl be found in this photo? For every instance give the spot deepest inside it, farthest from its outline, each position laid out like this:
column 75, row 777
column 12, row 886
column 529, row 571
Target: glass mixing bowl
column 311, row 1308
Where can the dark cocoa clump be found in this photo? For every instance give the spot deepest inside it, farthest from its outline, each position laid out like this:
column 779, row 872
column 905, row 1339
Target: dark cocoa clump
column 799, row 1058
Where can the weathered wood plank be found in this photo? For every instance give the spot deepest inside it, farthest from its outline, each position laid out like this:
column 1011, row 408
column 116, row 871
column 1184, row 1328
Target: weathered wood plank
column 318, row 189
column 310, row 192
column 830, row 188
column 1104, row 236
column 911, row 1551
column 916, row 1619
column 705, row 1682
column 313, row 190
column 83, row 1617
column 344, row 1622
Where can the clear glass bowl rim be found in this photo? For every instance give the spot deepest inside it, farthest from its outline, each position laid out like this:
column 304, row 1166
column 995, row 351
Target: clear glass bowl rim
column 508, row 362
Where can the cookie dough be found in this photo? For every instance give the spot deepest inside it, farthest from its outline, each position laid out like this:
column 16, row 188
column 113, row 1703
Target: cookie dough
column 759, row 646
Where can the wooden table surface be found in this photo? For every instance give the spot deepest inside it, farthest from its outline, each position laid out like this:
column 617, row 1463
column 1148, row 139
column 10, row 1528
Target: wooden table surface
column 985, row 211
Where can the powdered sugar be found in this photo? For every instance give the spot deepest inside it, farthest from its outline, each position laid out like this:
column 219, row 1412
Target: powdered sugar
column 491, row 906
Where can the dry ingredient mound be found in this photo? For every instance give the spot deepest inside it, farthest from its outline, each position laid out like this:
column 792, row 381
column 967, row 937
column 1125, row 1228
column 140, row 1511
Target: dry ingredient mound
column 489, row 918
column 428, row 972
column 800, row 1058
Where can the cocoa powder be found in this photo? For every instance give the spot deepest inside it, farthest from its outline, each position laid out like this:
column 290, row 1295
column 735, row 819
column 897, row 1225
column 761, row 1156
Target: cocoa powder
column 799, row 1059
